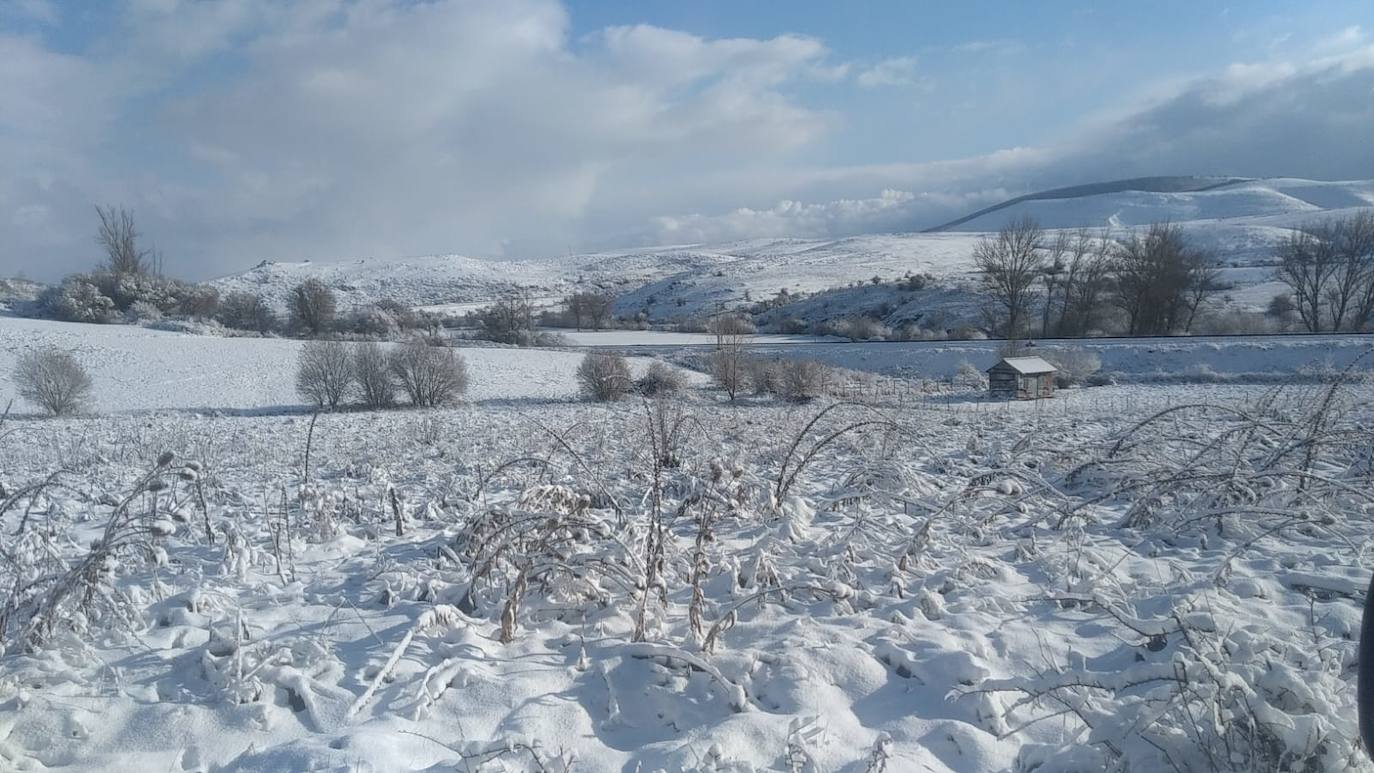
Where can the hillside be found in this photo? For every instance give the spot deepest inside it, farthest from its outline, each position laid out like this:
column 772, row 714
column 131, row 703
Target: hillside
column 1239, row 220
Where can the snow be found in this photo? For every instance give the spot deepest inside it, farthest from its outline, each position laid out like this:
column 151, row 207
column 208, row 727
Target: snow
column 662, row 338
column 140, row 369
column 928, row 580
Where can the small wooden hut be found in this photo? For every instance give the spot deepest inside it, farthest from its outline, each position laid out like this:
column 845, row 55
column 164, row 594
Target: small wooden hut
column 1021, row 378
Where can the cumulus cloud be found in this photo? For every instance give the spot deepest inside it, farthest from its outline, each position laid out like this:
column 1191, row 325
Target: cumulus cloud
column 338, row 128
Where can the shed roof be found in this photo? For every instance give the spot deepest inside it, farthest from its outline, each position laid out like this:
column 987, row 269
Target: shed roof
column 1026, row 366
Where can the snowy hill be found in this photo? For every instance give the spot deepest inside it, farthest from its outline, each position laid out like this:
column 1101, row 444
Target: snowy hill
column 1240, row 220
column 1227, row 200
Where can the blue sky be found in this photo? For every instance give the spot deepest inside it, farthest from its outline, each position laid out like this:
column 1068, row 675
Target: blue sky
column 249, row 129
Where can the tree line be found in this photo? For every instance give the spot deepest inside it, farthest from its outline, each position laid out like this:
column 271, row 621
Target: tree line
column 1068, row 283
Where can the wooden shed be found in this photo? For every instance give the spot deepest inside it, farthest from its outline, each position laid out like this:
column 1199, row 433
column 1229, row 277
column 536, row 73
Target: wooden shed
column 1021, row 378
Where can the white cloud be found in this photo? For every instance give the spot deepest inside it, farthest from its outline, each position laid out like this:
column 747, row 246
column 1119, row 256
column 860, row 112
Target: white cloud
column 386, row 128
column 333, row 128
column 990, row 47
column 1253, row 120
column 899, row 71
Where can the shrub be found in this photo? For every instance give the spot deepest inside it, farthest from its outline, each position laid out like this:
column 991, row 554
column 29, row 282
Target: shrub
column 661, row 379
column 765, row 376
column 373, row 322
column 728, row 368
column 372, row 372
column 77, row 299
column 803, row 380
column 199, row 301
column 603, row 377
column 1074, row 365
column 404, row 316
column 53, row 380
column 867, row 329
column 127, row 289
column 324, row 373
column 142, row 311
column 510, row 320
column 430, row 375
column 312, row 306
column 247, row 311
column 968, row 376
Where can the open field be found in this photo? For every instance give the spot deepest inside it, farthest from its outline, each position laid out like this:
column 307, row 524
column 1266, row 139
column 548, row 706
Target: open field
column 538, row 584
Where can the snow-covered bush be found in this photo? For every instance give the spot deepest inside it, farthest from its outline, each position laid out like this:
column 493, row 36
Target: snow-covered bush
column 372, row 322
column 127, row 289
column 372, row 373
column 968, row 376
column 765, row 376
column 324, row 373
column 803, row 380
column 430, row 375
column 142, row 311
column 77, row 299
column 52, row 379
column 661, row 379
column 603, row 376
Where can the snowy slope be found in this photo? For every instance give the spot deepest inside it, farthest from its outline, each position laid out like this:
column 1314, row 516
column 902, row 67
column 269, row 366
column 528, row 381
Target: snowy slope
column 1240, row 221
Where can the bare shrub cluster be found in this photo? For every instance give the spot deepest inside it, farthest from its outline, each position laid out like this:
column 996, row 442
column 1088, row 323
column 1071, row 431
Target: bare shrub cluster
column 604, row 377
column 54, row 380
column 430, row 376
column 329, row 373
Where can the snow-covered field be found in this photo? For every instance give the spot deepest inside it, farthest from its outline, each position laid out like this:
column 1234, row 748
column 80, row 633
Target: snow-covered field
column 138, row 369
column 1148, row 576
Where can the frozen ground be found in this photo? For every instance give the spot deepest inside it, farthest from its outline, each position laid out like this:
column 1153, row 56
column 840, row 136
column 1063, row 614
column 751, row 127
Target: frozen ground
column 1152, row 576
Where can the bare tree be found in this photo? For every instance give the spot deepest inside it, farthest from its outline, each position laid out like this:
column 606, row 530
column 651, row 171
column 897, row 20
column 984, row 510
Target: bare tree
column 1352, row 293
column 324, row 373
column 603, row 376
column 313, row 306
column 1085, row 280
column 728, row 363
column 730, row 369
column 1329, row 269
column 1011, row 262
column 1161, row 280
column 590, row 309
column 510, row 320
column 1306, row 265
column 52, row 379
column 1053, row 276
column 430, row 375
column 1204, row 281
column 372, row 372
column 119, row 238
